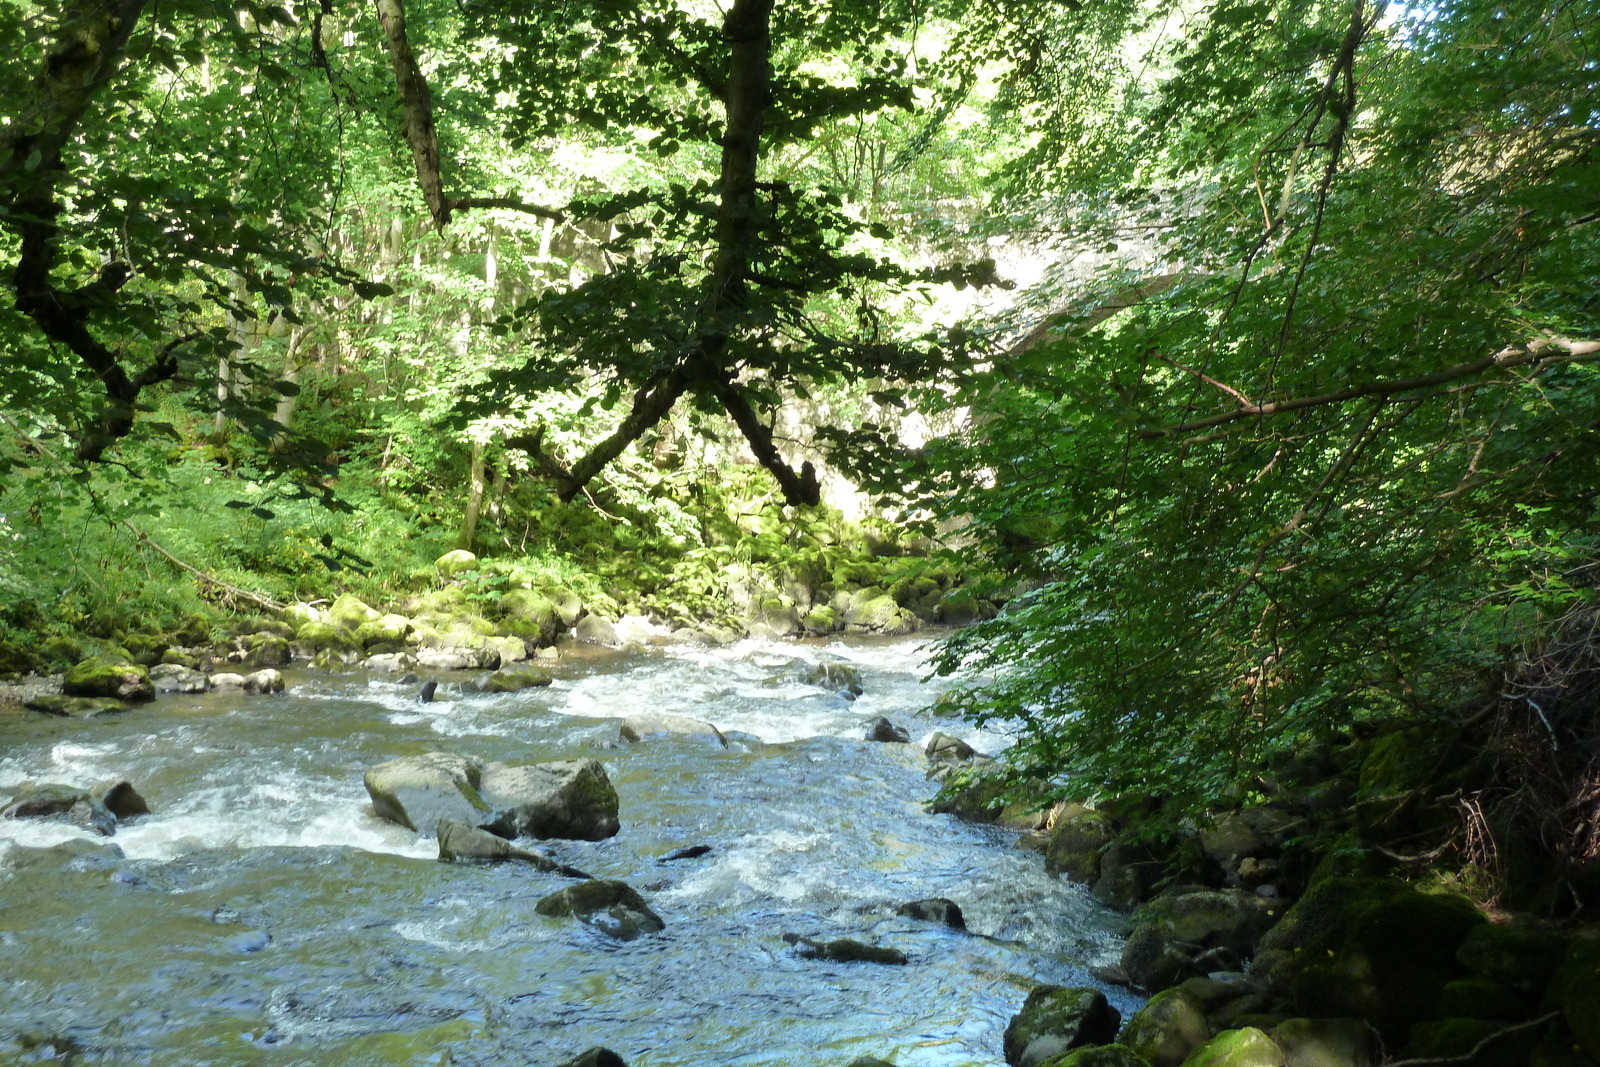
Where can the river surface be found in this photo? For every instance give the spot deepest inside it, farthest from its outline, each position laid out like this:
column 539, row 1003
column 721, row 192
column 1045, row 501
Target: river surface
column 262, row 915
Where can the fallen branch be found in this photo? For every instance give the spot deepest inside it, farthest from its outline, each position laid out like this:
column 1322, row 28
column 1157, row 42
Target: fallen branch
column 1466, row 1058
column 232, row 590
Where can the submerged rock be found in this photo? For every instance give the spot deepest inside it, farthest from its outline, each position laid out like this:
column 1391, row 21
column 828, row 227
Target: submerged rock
column 1055, row 1020
column 97, row 677
column 565, row 798
column 636, row 728
column 461, row 843
column 935, row 910
column 266, row 680
column 845, row 950
column 516, row 679
column 75, row 707
column 614, row 908
column 834, row 674
column 596, row 1057
column 690, row 852
column 884, row 730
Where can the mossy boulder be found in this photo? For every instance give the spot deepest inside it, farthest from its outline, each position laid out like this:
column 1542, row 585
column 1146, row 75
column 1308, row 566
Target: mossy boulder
column 75, row 707
column 516, row 679
column 1371, row 948
column 455, row 563
column 1245, row 1047
column 388, row 629
column 1055, row 1020
column 322, row 637
column 1190, row 932
column 1481, row 998
column 297, row 615
column 1521, row 957
column 98, row 677
column 265, row 650
column 1099, row 1056
column 1328, row 1042
column 145, row 649
column 971, row 795
column 874, row 611
column 820, row 620
column 1171, row 1025
column 1575, row 990
column 68, row 803
column 1455, row 1039
column 1079, row 837
column 530, row 615
column 349, row 612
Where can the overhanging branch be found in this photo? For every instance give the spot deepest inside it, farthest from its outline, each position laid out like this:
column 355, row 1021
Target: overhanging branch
column 1540, row 353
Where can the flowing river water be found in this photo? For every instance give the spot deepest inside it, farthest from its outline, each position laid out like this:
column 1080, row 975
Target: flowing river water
column 263, row 915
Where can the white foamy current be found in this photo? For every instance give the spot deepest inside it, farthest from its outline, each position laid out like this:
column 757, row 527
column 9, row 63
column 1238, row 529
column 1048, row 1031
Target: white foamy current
column 264, row 915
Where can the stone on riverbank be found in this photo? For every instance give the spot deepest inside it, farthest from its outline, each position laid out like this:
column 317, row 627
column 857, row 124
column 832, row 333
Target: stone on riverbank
column 349, row 612
column 1190, row 932
column 567, row 798
column 1369, row 948
column 175, row 678
column 614, row 908
column 460, row 658
column 1328, row 1043
column 595, row 629
column 1246, row 1047
column 942, row 748
column 456, row 562
column 75, row 707
column 1171, row 1025
column 1099, row 1056
column 318, row 637
column 419, row 791
column 1055, row 1020
column 98, row 677
column 636, row 728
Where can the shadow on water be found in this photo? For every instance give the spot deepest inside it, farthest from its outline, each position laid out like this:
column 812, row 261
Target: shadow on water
column 263, row 914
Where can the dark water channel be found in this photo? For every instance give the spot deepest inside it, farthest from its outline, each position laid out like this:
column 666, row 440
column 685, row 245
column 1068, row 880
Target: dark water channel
column 263, row 915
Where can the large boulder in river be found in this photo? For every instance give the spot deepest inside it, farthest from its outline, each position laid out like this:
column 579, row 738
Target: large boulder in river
column 613, row 908
column 568, row 798
column 530, row 615
column 596, row 630
column 645, row 724
column 97, row 677
column 1055, row 1020
column 419, row 791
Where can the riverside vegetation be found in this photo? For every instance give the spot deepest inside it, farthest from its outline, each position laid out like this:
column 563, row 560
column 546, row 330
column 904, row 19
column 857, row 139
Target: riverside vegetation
column 1263, row 510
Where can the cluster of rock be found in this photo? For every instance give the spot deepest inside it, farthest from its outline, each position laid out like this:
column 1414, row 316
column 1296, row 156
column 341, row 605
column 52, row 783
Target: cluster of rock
column 99, row 809
column 859, row 597
column 105, row 685
column 1269, row 940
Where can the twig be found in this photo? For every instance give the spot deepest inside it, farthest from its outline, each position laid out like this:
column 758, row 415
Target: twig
column 144, row 539
column 1462, row 1060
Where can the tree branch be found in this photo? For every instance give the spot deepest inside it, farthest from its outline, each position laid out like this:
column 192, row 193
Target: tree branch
column 1533, row 353
column 1099, row 313
column 503, row 203
column 798, row 489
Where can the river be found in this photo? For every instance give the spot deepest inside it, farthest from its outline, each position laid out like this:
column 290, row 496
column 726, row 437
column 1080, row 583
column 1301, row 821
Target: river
column 263, row 915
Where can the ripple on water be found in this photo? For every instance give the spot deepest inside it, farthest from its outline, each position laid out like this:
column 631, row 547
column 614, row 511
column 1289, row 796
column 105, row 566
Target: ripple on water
column 264, row 914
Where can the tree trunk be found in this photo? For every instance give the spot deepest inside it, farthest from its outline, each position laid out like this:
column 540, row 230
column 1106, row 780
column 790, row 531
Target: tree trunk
column 469, row 522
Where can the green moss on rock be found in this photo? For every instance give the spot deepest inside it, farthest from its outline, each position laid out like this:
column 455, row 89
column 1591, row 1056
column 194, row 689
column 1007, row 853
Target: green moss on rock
column 97, row 677
column 1245, row 1047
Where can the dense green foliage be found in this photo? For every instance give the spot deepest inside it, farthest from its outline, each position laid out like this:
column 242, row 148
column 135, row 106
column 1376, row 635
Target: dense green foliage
column 1339, row 462
column 1312, row 444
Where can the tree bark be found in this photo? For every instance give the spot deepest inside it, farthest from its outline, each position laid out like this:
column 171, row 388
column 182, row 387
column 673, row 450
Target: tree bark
column 84, row 57
column 416, row 109
column 469, row 521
